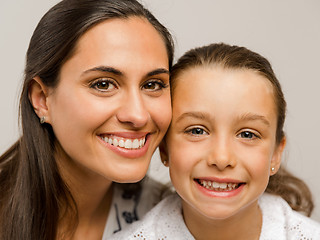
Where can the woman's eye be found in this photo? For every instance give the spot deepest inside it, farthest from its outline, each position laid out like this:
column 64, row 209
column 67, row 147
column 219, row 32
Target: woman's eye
column 197, row 131
column 103, row 85
column 154, row 86
column 248, row 135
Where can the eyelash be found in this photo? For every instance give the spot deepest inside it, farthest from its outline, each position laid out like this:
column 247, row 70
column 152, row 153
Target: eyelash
column 190, row 131
column 253, row 135
column 160, row 83
column 201, row 131
column 94, row 84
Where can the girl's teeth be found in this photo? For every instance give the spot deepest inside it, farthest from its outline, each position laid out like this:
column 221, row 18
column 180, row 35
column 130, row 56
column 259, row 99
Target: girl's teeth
column 223, row 185
column 218, row 186
column 125, row 143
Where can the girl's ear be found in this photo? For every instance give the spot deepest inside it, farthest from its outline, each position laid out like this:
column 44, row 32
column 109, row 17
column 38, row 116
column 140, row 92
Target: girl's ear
column 38, row 94
column 277, row 156
column 164, row 153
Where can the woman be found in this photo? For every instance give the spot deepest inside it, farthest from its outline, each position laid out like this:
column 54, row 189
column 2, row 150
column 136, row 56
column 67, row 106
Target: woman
column 94, row 106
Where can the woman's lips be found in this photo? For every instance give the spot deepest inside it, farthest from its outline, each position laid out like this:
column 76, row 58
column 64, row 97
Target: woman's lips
column 128, row 145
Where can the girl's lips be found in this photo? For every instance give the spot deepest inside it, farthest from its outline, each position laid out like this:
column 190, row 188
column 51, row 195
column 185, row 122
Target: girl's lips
column 214, row 187
column 128, row 145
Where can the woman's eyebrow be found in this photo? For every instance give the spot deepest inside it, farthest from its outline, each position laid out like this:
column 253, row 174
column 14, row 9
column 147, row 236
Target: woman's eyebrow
column 158, row 71
column 104, row 69
column 119, row 73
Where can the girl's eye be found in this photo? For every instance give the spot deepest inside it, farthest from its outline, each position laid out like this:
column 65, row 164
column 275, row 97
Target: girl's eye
column 197, row 131
column 103, row 85
column 154, row 85
column 248, row 135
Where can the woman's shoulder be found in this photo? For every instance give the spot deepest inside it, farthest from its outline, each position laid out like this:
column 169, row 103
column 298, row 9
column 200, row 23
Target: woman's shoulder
column 281, row 222
column 164, row 221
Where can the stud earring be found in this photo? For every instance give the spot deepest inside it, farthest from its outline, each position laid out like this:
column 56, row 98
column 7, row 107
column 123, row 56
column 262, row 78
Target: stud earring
column 272, row 169
column 165, row 162
column 42, row 119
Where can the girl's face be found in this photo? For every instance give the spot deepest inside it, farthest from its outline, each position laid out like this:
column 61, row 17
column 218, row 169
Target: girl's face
column 112, row 105
column 221, row 144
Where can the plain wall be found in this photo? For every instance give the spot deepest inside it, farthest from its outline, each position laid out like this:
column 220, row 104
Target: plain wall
column 287, row 32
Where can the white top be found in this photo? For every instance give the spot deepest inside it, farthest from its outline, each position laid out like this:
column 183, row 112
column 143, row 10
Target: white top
column 130, row 203
column 280, row 222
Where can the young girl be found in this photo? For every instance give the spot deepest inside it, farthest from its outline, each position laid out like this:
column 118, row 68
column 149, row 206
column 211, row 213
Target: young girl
column 95, row 105
column 224, row 150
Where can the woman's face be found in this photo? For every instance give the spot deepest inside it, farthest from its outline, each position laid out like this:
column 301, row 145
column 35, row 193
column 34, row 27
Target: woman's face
column 112, row 105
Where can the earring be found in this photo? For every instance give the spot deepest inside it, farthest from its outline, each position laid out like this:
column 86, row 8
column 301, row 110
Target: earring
column 165, row 162
column 272, row 169
column 42, row 119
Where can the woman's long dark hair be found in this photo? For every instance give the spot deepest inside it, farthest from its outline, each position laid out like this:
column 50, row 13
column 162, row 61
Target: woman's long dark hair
column 33, row 196
column 283, row 183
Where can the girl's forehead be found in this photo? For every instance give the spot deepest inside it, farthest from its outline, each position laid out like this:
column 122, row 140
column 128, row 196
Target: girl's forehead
column 233, row 91
column 217, row 75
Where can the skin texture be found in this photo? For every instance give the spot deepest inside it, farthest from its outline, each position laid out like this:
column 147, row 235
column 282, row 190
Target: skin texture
column 116, row 84
column 223, row 130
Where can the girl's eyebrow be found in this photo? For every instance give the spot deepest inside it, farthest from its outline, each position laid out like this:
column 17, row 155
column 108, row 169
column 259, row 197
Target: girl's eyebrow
column 198, row 115
column 244, row 117
column 254, row 117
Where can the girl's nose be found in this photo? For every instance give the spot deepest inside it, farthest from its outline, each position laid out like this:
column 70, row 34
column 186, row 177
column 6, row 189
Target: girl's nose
column 221, row 155
column 133, row 110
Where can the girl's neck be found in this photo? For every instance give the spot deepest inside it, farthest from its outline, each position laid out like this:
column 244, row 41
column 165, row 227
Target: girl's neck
column 246, row 224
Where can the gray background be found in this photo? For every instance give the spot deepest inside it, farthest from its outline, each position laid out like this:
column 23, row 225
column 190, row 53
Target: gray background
column 287, row 32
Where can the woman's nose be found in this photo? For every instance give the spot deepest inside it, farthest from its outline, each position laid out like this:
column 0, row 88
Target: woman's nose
column 133, row 110
column 221, row 154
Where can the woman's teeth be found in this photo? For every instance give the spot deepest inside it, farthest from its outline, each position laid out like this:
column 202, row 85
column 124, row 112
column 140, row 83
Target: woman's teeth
column 125, row 143
column 211, row 185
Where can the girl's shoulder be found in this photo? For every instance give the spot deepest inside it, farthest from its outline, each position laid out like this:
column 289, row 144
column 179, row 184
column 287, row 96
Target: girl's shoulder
column 281, row 222
column 164, row 221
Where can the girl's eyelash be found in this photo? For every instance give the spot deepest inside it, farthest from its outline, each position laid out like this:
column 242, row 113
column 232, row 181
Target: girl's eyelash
column 196, row 131
column 248, row 135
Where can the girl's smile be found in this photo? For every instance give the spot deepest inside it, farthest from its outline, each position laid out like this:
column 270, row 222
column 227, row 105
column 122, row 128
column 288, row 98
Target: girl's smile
column 219, row 187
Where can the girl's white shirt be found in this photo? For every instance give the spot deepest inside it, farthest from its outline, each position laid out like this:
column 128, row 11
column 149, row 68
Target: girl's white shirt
column 129, row 206
column 165, row 221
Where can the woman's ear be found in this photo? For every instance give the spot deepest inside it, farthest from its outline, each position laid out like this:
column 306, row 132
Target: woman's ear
column 38, row 94
column 277, row 156
column 164, row 153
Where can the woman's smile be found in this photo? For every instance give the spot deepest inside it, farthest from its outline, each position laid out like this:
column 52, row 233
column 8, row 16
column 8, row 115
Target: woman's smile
column 127, row 144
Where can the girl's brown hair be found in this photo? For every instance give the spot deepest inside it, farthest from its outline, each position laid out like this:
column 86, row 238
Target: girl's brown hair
column 33, row 196
column 283, row 183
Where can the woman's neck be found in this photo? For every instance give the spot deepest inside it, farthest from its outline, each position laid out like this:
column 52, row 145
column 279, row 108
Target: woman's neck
column 92, row 195
column 246, row 224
